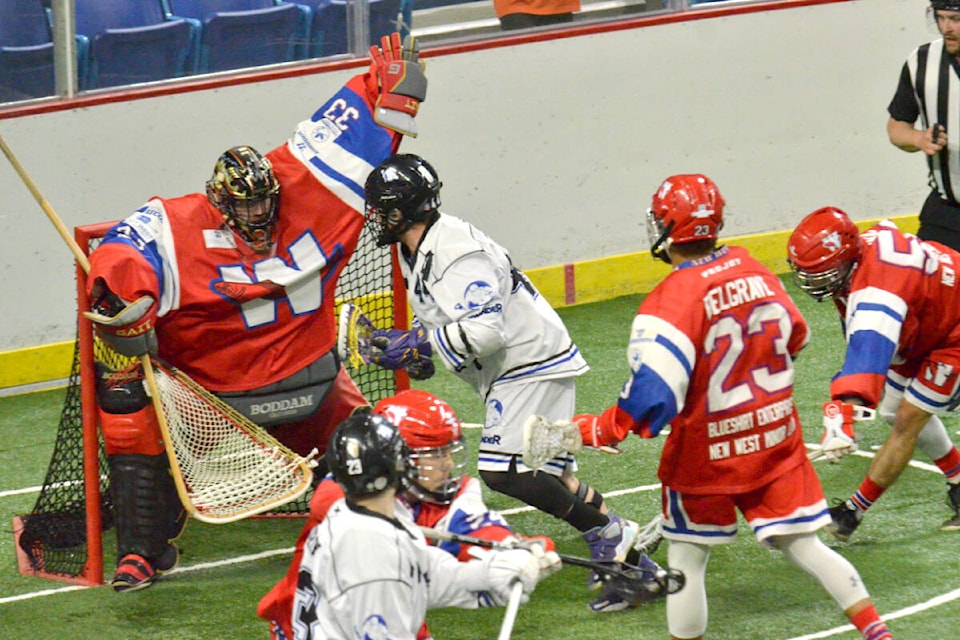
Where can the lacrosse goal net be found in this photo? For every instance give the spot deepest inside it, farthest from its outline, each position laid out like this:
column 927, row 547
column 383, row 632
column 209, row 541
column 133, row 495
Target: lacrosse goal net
column 62, row 537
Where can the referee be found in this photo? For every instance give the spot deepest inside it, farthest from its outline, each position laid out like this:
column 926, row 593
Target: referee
column 925, row 91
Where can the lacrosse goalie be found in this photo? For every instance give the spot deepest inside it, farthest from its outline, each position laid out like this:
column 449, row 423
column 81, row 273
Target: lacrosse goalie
column 711, row 353
column 235, row 287
column 367, row 568
column 486, row 322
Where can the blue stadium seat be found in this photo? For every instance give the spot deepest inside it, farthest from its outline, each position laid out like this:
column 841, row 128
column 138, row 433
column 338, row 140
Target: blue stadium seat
column 133, row 41
column 26, row 51
column 328, row 34
column 245, row 33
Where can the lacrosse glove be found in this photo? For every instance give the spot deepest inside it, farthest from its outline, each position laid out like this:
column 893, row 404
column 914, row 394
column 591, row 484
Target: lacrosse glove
column 604, row 431
column 399, row 348
column 401, row 82
column 839, row 438
column 126, row 327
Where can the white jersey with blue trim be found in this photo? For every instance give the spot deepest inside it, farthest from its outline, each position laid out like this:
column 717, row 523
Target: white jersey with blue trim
column 364, row 575
column 486, row 321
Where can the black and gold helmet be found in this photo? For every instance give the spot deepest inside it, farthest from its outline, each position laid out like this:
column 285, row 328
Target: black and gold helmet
column 246, row 191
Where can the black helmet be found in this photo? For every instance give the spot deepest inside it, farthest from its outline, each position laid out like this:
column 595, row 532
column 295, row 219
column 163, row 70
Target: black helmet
column 945, row 5
column 246, row 191
column 367, row 455
column 402, row 190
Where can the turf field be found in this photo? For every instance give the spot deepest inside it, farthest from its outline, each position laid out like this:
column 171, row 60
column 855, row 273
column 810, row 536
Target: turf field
column 911, row 569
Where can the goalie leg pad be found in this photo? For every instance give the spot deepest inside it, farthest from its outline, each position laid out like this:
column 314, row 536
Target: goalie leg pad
column 146, row 508
column 121, row 390
column 131, row 433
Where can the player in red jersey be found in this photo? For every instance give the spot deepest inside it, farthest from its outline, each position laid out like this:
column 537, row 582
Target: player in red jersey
column 900, row 307
column 442, row 497
column 235, row 287
column 711, row 350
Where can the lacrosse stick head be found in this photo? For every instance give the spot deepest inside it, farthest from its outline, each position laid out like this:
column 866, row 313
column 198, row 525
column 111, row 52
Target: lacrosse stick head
column 434, row 436
column 353, row 336
column 641, row 583
column 544, row 440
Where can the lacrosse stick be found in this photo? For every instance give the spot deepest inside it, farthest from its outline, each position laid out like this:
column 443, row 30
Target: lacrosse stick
column 632, row 583
column 544, row 440
column 224, row 466
column 506, row 628
column 353, row 336
column 860, row 414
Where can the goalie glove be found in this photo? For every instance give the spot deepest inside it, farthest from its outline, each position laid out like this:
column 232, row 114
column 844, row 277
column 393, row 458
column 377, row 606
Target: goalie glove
column 401, row 82
column 399, row 348
column 839, row 438
column 601, row 431
column 126, row 327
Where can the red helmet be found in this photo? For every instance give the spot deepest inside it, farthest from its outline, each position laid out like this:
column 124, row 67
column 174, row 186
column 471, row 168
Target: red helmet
column 686, row 208
column 823, row 252
column 433, row 433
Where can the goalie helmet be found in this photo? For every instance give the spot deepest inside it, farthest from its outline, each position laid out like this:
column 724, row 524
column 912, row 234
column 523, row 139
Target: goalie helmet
column 686, row 208
column 823, row 252
column 245, row 190
column 434, row 435
column 402, row 190
column 366, row 455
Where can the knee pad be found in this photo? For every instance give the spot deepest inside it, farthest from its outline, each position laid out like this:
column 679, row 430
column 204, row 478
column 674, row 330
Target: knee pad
column 131, row 433
column 583, row 491
column 540, row 490
column 121, row 391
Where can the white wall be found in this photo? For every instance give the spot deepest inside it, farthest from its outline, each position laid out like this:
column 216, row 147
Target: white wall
column 553, row 147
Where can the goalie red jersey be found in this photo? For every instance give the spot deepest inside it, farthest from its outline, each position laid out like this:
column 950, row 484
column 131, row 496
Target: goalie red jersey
column 716, row 364
column 234, row 319
column 903, row 304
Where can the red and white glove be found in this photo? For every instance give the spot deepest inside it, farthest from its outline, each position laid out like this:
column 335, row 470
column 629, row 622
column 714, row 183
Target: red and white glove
column 839, row 438
column 403, row 86
column 127, row 327
column 601, row 431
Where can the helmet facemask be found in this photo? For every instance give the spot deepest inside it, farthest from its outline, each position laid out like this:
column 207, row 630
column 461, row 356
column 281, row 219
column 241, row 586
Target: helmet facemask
column 659, row 236
column 830, row 283
column 245, row 190
column 400, row 192
column 438, row 472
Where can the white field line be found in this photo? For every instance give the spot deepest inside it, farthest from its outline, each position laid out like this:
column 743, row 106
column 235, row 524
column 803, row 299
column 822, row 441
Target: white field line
column 892, row 615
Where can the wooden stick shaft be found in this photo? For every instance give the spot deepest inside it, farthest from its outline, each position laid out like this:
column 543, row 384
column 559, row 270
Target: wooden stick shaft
column 78, row 253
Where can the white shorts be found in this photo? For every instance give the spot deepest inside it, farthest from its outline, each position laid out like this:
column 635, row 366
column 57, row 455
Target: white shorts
column 508, row 407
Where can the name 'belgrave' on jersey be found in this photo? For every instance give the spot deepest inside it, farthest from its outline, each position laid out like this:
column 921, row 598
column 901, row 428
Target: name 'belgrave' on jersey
column 734, row 293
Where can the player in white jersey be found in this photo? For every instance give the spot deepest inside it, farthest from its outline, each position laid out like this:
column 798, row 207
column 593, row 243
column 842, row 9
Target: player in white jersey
column 367, row 570
column 487, row 323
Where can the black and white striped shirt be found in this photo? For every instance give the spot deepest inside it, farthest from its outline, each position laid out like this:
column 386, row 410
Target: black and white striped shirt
column 929, row 88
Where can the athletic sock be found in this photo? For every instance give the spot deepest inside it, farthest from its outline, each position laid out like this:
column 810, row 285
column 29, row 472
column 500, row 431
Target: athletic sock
column 950, row 465
column 868, row 493
column 870, row 626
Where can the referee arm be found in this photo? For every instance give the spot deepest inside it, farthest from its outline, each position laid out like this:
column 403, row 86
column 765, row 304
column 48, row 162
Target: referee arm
column 904, row 136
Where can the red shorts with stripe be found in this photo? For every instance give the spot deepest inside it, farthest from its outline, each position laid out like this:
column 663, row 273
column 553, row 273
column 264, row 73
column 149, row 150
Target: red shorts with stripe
column 791, row 504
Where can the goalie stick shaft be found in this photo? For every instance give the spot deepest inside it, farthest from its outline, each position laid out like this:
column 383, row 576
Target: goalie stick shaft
column 84, row 263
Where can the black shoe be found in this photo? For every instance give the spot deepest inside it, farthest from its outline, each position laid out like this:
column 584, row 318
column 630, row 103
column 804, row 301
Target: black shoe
column 953, row 499
column 845, row 518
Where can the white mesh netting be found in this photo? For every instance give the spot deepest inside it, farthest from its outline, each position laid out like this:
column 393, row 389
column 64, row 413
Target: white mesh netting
column 229, row 467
